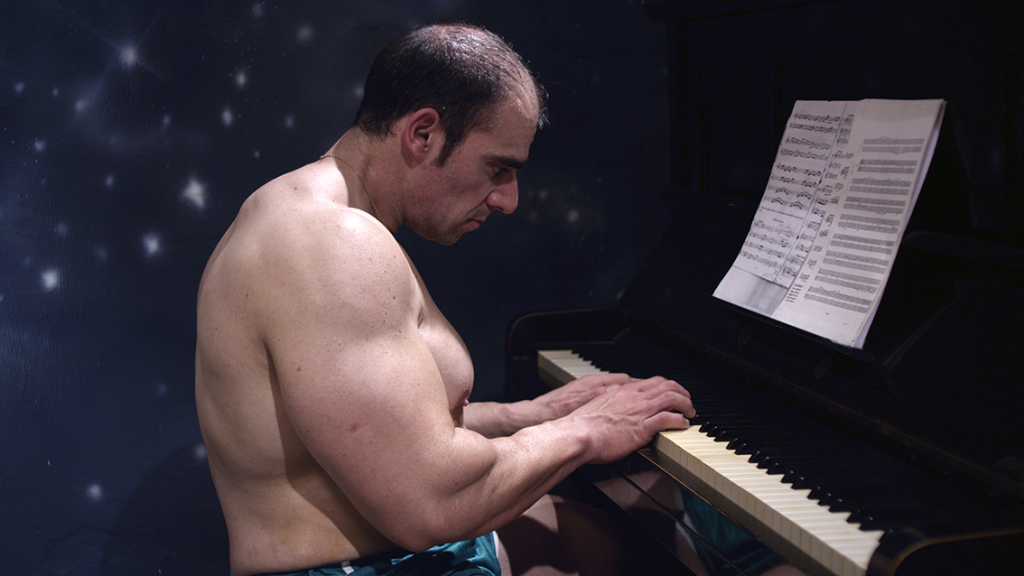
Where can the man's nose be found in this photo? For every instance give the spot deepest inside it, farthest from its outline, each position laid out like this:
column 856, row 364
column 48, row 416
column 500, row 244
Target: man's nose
column 505, row 198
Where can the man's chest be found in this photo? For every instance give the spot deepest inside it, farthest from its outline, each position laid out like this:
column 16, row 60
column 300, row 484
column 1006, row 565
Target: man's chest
column 450, row 355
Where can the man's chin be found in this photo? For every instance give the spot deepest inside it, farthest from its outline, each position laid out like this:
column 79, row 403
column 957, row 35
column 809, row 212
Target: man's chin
column 444, row 239
column 451, row 236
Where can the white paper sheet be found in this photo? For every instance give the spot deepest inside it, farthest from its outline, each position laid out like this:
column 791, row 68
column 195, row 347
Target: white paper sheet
column 824, row 238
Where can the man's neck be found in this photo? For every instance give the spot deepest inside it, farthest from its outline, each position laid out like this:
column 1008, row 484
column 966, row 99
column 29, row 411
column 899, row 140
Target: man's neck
column 363, row 162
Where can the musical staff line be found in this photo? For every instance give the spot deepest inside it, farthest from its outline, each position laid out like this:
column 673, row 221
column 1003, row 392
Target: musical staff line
column 854, row 265
column 880, row 190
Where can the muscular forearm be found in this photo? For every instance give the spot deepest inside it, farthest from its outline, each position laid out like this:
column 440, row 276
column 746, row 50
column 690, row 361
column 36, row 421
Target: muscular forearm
column 503, row 477
column 495, row 419
column 507, row 475
column 460, row 484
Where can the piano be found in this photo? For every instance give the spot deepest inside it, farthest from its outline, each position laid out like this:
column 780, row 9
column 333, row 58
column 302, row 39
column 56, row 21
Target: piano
column 905, row 457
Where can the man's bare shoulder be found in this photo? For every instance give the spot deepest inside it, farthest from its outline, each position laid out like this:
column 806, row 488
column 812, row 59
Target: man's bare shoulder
column 301, row 219
column 299, row 247
column 291, row 203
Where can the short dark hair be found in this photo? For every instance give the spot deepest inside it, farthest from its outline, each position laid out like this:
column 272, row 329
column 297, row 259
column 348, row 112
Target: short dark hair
column 459, row 70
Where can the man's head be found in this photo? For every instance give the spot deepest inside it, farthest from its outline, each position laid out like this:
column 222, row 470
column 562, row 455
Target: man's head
column 461, row 71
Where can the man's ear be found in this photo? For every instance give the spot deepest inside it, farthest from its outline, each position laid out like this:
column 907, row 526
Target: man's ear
column 422, row 135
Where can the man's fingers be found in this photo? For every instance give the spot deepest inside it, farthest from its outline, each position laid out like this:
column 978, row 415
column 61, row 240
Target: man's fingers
column 659, row 387
column 671, row 397
column 668, row 421
column 659, row 381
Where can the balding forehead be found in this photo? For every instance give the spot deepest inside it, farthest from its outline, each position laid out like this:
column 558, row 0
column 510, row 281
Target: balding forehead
column 525, row 95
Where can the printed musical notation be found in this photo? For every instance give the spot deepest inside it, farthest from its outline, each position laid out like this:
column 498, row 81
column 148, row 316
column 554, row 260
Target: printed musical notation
column 757, row 257
column 839, row 298
column 796, row 153
column 785, row 168
column 824, row 238
column 874, row 166
column 796, row 198
column 824, row 128
column 896, row 146
column 812, row 144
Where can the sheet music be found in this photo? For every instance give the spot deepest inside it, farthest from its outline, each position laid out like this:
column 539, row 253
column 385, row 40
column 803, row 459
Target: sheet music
column 823, row 240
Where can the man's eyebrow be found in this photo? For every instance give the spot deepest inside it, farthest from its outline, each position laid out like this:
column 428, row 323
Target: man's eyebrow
column 509, row 161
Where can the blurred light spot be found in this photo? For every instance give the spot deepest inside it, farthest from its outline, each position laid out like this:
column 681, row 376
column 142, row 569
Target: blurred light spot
column 50, row 279
column 199, row 452
column 195, row 193
column 289, row 121
column 19, row 87
column 227, row 116
column 241, row 79
column 109, row 181
column 152, row 244
column 129, row 56
column 305, row 34
column 101, row 253
column 39, row 145
column 572, row 216
column 62, row 230
column 94, row 492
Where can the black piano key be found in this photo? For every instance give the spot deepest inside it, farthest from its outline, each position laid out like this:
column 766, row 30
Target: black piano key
column 722, row 418
column 874, row 501
column 763, row 453
column 732, row 432
column 896, row 518
column 849, row 497
column 797, row 461
column 839, row 474
column 715, row 428
column 777, row 440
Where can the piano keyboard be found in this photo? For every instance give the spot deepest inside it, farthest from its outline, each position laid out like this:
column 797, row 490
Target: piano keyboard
column 783, row 517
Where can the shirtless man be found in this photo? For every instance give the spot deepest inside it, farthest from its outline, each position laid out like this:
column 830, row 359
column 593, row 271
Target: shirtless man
column 332, row 394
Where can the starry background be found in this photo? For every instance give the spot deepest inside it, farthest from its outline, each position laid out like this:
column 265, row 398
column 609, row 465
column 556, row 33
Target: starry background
column 130, row 133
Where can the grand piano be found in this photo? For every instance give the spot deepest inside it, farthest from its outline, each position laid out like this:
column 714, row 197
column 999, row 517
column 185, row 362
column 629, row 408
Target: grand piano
column 904, row 457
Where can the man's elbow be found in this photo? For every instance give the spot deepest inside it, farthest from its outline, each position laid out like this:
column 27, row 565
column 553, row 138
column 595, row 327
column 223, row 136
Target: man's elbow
column 429, row 527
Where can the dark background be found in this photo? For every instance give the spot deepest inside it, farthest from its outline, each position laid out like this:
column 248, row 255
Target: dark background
column 131, row 132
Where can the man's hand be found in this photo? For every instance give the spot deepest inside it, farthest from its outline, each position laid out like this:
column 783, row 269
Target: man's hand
column 629, row 416
column 565, row 399
column 494, row 420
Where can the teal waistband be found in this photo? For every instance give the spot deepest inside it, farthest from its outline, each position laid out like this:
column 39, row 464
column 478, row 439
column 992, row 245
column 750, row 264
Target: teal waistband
column 478, row 557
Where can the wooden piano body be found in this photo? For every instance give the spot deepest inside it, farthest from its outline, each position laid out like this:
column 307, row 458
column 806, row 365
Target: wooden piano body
column 917, row 437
